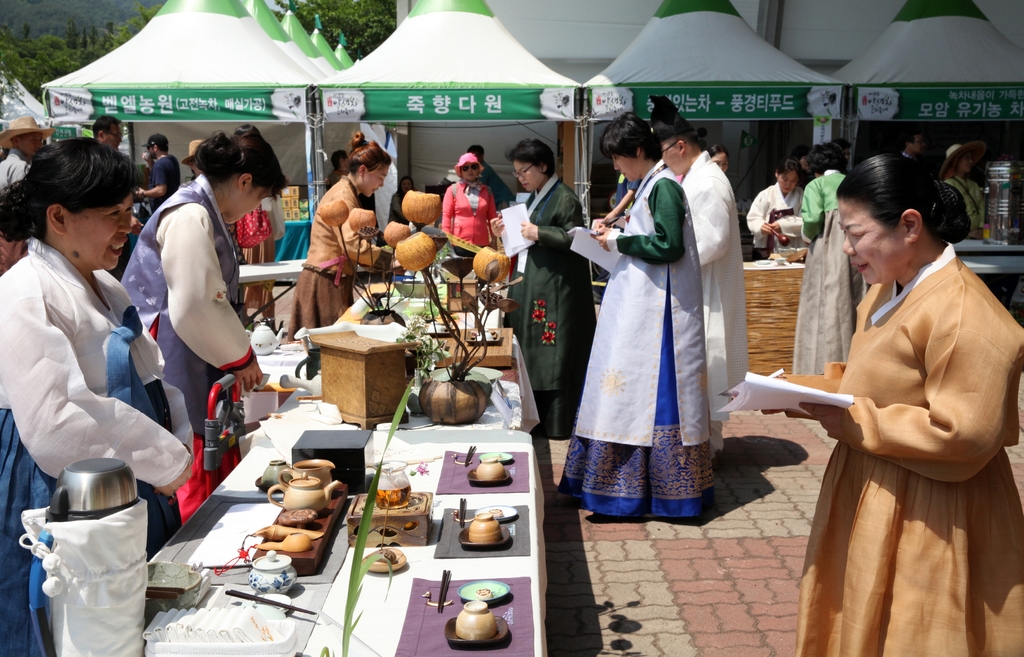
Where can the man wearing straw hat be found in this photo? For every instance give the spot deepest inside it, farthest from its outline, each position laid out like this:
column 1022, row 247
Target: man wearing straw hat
column 955, row 172
column 24, row 137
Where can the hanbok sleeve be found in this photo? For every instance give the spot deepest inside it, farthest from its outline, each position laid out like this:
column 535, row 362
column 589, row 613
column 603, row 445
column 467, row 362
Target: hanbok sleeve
column 964, row 422
column 668, row 208
column 758, row 214
column 712, row 219
column 812, row 211
column 59, row 418
column 197, row 297
column 566, row 214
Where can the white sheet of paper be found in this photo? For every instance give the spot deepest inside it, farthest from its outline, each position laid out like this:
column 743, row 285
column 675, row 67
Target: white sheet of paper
column 584, row 244
column 222, row 543
column 758, row 392
column 512, row 234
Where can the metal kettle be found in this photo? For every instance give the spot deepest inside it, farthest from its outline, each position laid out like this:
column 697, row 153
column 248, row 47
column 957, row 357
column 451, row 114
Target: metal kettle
column 86, row 490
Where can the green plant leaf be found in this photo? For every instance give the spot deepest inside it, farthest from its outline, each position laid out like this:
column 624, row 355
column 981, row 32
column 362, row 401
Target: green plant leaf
column 355, row 582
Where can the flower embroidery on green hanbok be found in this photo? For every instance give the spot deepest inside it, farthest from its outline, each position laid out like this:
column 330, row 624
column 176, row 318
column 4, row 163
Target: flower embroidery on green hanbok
column 540, row 314
column 548, row 336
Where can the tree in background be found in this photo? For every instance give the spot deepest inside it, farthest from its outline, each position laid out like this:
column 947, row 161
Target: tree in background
column 365, row 23
column 37, row 61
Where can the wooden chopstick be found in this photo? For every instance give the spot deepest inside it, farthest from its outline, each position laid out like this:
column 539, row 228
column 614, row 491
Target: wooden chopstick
column 469, row 456
column 446, row 580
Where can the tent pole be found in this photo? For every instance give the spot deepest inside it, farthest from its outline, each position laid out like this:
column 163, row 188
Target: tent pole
column 582, row 159
column 314, row 148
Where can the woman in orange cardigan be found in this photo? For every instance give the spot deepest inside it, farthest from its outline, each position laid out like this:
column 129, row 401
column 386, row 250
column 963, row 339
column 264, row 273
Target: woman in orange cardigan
column 468, row 206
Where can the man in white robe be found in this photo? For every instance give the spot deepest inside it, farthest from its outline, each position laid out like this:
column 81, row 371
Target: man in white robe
column 716, row 226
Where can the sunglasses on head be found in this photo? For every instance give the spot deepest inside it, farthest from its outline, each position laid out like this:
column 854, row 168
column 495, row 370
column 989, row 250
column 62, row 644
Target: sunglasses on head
column 470, row 167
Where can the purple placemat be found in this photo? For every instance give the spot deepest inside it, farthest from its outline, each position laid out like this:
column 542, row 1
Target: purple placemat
column 453, row 479
column 423, row 632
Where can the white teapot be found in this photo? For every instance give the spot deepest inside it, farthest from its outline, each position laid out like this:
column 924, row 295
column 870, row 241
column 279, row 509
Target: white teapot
column 263, row 340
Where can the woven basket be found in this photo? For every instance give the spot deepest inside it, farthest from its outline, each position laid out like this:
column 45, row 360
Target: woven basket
column 772, row 301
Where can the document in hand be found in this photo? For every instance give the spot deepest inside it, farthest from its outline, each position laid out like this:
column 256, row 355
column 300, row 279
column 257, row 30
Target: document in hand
column 758, row 392
column 583, row 243
column 512, row 234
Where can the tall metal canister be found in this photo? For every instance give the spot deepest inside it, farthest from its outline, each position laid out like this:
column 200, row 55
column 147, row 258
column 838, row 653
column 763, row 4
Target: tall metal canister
column 1004, row 190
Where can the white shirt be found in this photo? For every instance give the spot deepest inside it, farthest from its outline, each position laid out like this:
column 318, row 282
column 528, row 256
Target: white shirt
column 197, row 299
column 770, row 199
column 13, row 168
column 54, row 333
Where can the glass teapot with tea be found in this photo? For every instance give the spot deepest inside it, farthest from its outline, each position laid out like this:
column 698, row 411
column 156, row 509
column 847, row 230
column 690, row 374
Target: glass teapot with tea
column 394, row 487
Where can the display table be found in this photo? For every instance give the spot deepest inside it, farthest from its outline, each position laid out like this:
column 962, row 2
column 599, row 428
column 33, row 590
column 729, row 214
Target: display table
column 773, row 297
column 287, row 270
column 984, row 258
column 383, row 610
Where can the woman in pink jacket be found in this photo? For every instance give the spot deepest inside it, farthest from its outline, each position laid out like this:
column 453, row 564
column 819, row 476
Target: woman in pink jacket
column 468, row 206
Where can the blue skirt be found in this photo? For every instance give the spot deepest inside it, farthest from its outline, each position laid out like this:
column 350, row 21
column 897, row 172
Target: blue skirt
column 667, row 479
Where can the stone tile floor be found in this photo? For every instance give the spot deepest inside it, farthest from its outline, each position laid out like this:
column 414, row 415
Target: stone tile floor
column 721, row 585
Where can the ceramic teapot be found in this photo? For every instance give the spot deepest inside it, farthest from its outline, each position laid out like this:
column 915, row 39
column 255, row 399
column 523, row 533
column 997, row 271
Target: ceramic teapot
column 303, row 493
column 263, row 340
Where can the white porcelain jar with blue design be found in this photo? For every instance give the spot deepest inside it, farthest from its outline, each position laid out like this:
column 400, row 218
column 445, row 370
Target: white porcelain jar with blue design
column 273, row 573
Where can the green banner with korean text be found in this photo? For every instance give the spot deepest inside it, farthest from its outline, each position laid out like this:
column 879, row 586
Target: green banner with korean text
column 437, row 104
column 946, row 103
column 721, row 102
column 81, row 105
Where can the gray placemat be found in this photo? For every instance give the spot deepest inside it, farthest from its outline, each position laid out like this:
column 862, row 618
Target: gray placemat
column 304, row 596
column 185, row 542
column 448, row 546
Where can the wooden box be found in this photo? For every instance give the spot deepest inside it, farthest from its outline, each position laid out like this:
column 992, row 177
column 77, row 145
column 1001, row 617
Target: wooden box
column 455, row 294
column 364, row 378
column 405, row 527
column 498, row 355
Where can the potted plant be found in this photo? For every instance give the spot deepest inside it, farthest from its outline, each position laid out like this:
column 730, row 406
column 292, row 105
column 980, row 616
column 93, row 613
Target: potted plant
column 459, row 399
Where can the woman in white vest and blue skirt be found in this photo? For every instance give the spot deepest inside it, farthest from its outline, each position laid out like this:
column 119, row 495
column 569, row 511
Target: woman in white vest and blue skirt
column 640, row 445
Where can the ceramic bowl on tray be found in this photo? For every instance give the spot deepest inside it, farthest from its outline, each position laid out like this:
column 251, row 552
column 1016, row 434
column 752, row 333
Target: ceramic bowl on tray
column 177, row 576
column 454, row 642
column 501, row 457
column 476, row 481
column 506, row 538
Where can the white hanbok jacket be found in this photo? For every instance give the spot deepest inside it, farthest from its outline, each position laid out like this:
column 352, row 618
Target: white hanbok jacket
column 769, row 199
column 716, row 227
column 54, row 333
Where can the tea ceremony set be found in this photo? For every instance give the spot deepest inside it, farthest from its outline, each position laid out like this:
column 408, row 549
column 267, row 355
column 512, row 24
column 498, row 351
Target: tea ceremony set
column 388, row 503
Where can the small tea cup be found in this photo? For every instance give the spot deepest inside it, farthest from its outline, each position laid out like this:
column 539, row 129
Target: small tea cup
column 475, row 622
column 490, row 470
column 484, row 529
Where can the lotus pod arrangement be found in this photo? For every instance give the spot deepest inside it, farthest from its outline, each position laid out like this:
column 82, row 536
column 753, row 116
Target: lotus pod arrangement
column 333, row 213
column 420, row 208
column 360, row 218
column 395, row 232
column 491, row 266
column 416, row 253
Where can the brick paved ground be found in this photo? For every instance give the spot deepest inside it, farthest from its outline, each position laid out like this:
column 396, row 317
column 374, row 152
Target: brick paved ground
column 723, row 585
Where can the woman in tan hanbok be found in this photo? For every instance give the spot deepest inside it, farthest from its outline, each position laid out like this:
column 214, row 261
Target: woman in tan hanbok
column 917, row 546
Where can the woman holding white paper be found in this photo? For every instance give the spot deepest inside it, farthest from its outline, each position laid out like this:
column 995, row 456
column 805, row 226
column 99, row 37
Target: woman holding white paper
column 555, row 325
column 641, row 440
column 917, row 545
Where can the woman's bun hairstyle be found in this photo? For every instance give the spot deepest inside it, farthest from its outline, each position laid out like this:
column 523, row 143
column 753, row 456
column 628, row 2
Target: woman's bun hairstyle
column 221, row 157
column 77, row 174
column 889, row 185
column 367, row 154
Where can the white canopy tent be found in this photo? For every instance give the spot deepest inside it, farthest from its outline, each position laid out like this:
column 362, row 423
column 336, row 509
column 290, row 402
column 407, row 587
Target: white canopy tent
column 939, row 61
column 19, row 102
column 704, row 56
column 505, row 86
column 297, row 33
column 259, row 10
column 225, row 68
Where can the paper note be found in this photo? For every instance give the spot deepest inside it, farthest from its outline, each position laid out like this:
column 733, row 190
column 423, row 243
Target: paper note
column 512, row 234
column 758, row 392
column 222, row 543
column 583, row 243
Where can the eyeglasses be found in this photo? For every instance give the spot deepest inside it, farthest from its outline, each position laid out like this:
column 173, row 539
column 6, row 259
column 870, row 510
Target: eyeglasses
column 522, row 172
column 470, row 167
column 671, row 146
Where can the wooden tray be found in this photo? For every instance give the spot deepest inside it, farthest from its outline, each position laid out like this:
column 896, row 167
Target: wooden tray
column 499, row 354
column 308, row 562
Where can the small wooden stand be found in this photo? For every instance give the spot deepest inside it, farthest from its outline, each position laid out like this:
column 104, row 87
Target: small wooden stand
column 830, row 382
column 408, row 526
column 364, row 378
column 498, row 354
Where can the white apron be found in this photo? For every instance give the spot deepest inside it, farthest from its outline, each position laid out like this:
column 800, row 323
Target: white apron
column 620, row 393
